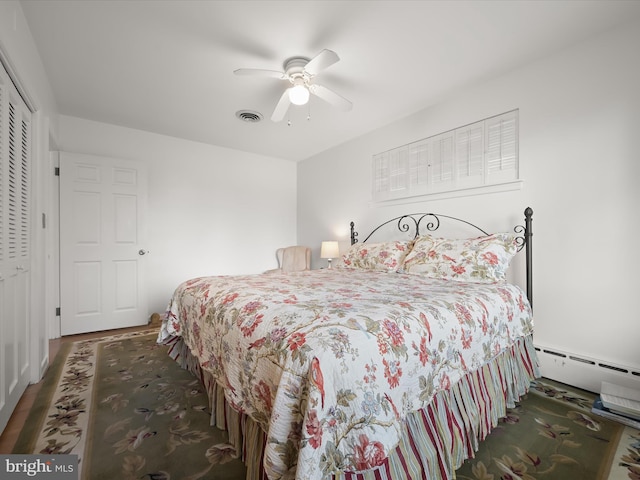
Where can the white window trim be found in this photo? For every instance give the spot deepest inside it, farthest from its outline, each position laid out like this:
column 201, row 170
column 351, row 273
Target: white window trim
column 465, row 192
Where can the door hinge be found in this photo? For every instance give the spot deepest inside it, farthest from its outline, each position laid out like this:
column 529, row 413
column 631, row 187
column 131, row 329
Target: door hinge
column 56, row 171
column 57, row 311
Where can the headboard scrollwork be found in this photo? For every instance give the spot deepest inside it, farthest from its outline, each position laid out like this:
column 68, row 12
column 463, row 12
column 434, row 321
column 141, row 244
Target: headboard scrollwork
column 416, row 223
column 420, row 223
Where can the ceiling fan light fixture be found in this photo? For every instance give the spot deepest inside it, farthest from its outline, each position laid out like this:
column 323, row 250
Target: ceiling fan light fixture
column 299, row 93
column 300, row 73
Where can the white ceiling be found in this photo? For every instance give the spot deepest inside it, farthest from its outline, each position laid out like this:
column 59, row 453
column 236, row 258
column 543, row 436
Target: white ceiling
column 167, row 66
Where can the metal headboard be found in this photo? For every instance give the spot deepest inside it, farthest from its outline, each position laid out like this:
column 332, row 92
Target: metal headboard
column 416, row 223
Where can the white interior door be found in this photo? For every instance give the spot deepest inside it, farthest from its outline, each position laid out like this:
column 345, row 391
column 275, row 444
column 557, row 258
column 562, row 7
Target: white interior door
column 102, row 243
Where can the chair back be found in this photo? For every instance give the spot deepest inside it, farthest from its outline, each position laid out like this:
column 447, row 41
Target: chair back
column 294, row 259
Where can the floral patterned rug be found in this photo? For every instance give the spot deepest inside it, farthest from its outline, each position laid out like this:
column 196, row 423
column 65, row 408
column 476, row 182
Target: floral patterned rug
column 552, row 434
column 129, row 411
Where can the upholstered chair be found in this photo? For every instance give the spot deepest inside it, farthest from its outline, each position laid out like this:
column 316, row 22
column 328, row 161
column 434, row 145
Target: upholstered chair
column 293, row 259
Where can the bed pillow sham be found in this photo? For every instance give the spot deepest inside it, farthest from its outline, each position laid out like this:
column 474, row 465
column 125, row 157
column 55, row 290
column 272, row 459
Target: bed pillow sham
column 386, row 256
column 481, row 260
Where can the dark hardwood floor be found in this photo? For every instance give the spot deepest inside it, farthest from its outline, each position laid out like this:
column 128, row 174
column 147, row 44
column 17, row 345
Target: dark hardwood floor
column 19, row 416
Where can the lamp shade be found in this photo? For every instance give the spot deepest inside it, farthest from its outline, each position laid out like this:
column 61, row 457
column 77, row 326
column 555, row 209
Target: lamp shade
column 329, row 250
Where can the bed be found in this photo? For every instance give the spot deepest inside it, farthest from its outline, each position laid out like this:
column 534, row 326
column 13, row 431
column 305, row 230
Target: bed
column 394, row 364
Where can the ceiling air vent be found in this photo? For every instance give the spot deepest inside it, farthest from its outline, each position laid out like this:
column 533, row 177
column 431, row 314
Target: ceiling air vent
column 249, row 116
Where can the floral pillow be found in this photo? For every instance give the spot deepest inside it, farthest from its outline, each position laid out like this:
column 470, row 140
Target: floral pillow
column 482, row 260
column 376, row 256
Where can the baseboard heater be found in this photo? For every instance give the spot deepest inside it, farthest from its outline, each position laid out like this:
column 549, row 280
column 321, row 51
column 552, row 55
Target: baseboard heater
column 583, row 371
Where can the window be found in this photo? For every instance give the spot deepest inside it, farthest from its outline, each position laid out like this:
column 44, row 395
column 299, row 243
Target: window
column 481, row 154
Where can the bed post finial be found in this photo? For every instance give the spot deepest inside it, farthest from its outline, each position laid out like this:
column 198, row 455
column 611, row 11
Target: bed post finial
column 528, row 238
column 354, row 234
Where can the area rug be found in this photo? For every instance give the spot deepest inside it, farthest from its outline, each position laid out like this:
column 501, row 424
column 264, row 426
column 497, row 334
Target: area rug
column 129, row 411
column 552, row 434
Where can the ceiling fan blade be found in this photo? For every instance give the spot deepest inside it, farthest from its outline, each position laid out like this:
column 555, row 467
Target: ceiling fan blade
column 261, row 73
column 282, row 107
column 331, row 97
column 324, row 59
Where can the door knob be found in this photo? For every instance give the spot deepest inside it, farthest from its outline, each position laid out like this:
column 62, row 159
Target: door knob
column 142, row 252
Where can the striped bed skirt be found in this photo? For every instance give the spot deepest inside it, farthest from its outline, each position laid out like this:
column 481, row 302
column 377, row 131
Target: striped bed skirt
column 436, row 440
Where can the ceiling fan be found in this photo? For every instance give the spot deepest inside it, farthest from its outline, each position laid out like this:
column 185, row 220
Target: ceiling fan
column 300, row 73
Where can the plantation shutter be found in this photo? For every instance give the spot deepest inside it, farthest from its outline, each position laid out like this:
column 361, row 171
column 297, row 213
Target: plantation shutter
column 399, row 171
column 470, row 156
column 480, row 154
column 381, row 176
column 442, row 164
column 502, row 148
column 419, row 161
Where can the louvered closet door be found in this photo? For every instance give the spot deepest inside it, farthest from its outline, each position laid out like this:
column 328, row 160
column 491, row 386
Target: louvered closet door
column 15, row 194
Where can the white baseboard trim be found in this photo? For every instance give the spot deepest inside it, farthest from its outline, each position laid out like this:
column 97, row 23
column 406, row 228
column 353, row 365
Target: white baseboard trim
column 584, row 372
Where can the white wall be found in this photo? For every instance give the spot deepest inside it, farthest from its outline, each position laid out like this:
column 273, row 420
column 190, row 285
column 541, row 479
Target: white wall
column 211, row 210
column 24, row 61
column 580, row 161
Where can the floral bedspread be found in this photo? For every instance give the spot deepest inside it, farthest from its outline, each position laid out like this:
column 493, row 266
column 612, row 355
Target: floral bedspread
column 329, row 362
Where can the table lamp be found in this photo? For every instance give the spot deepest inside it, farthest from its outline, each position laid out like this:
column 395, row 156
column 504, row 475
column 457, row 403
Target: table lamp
column 329, row 250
